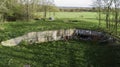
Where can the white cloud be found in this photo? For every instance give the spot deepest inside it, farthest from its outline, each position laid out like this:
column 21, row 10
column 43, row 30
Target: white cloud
column 74, row 3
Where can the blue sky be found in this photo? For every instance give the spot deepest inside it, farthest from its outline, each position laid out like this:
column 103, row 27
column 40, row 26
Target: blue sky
column 73, row 3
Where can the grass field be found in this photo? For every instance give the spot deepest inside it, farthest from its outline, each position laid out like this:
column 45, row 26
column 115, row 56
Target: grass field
column 78, row 15
column 60, row 53
column 64, row 20
column 69, row 20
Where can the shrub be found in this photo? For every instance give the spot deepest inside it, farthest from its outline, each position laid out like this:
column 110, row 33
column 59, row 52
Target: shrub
column 16, row 11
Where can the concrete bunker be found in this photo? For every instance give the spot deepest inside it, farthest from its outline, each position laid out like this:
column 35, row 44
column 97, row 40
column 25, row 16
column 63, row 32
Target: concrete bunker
column 54, row 35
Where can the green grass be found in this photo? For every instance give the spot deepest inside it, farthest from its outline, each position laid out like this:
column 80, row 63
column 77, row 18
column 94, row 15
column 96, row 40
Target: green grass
column 14, row 29
column 63, row 21
column 76, row 15
column 60, row 54
column 71, row 14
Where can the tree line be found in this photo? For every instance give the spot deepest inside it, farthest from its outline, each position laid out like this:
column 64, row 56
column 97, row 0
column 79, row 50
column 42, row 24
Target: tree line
column 85, row 9
column 109, row 11
column 12, row 10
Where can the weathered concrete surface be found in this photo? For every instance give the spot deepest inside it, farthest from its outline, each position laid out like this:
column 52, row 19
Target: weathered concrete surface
column 30, row 37
column 38, row 37
column 54, row 35
column 12, row 42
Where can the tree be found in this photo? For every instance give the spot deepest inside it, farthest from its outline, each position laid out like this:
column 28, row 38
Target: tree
column 98, row 6
column 19, row 9
column 116, row 4
column 107, row 7
column 48, row 6
column 2, row 2
column 111, row 9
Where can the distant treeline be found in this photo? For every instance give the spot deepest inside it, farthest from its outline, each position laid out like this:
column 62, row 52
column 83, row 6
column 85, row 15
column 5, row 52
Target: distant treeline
column 68, row 9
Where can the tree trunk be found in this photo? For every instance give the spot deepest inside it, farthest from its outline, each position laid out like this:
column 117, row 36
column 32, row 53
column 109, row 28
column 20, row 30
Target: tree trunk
column 116, row 20
column 45, row 12
column 99, row 17
column 107, row 19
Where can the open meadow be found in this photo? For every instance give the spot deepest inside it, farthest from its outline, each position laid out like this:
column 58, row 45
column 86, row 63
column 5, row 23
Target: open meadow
column 64, row 20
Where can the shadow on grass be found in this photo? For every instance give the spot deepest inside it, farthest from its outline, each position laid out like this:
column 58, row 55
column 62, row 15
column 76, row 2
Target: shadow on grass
column 61, row 54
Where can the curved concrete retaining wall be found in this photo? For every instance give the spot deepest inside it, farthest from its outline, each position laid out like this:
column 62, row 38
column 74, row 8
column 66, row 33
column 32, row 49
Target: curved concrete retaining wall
column 45, row 36
column 38, row 37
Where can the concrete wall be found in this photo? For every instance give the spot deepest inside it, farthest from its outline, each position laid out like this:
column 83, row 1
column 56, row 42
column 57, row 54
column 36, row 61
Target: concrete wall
column 38, row 37
column 54, row 35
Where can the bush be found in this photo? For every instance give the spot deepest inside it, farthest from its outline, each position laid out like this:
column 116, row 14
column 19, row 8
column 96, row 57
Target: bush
column 17, row 11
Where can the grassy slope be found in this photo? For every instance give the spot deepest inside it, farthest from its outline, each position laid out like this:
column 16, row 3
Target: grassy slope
column 60, row 54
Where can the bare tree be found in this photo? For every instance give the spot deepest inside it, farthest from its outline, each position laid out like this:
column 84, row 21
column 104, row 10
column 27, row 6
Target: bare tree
column 98, row 5
column 116, row 4
column 107, row 7
column 99, row 11
column 111, row 10
column 46, row 5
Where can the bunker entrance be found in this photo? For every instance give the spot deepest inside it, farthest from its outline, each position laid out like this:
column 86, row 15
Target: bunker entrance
column 88, row 35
